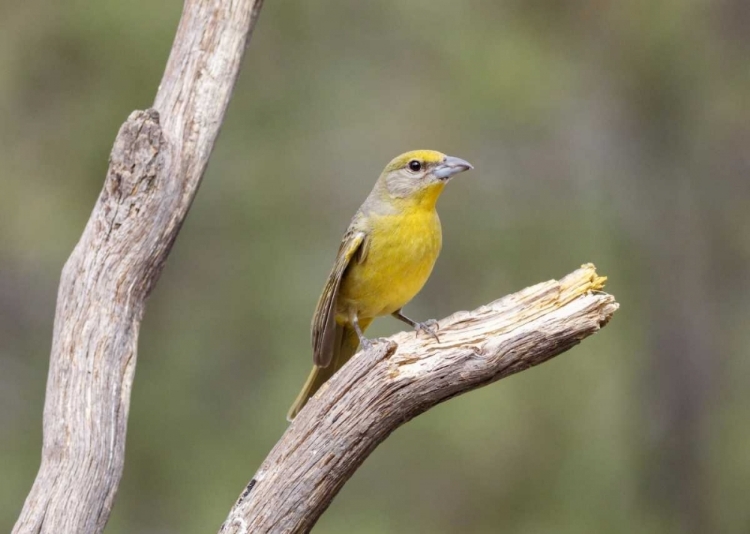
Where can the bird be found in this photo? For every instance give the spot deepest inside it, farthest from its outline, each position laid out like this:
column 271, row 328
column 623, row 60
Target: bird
column 384, row 260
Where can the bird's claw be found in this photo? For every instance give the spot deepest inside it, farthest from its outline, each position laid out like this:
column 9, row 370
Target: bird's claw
column 430, row 326
column 366, row 344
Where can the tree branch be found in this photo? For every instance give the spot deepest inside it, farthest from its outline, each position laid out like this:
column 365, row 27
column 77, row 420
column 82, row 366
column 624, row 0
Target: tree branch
column 382, row 388
column 156, row 165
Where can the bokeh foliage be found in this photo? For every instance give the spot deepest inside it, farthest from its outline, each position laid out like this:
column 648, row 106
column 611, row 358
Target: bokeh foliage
column 612, row 132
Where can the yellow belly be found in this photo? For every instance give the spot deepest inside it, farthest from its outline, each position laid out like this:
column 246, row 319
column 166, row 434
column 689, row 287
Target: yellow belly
column 401, row 252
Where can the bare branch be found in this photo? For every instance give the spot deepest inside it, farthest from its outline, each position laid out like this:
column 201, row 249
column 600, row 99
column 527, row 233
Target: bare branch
column 402, row 377
column 155, row 168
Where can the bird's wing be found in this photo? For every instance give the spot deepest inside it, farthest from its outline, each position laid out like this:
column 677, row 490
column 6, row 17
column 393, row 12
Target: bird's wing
column 324, row 319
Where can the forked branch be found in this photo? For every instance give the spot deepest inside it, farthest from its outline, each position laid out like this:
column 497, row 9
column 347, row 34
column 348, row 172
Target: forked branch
column 382, row 388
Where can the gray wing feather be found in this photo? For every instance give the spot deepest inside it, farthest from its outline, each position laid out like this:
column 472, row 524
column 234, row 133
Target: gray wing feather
column 324, row 319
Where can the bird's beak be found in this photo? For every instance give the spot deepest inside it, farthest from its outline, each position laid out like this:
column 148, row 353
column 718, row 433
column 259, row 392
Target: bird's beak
column 451, row 166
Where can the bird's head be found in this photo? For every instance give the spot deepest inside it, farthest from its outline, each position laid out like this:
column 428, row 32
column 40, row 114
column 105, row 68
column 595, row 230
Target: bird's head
column 420, row 175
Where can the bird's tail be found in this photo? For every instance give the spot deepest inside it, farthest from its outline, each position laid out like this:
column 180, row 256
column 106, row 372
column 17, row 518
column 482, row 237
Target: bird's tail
column 344, row 347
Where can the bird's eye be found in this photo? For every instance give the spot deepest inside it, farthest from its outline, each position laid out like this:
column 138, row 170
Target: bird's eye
column 415, row 166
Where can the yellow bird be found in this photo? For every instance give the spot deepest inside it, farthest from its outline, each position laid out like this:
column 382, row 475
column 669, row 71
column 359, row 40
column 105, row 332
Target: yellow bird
column 385, row 258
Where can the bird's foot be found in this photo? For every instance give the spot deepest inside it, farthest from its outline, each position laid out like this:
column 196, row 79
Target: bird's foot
column 365, row 343
column 430, row 327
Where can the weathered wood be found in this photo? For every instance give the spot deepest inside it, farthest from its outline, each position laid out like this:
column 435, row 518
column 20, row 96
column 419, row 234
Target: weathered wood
column 382, row 388
column 155, row 168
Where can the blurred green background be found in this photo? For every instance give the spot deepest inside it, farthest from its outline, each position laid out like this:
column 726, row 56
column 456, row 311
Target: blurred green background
column 611, row 132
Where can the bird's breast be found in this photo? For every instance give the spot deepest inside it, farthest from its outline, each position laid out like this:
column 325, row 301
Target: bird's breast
column 401, row 253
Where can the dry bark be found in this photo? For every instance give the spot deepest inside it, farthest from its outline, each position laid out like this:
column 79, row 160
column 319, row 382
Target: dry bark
column 401, row 377
column 155, row 168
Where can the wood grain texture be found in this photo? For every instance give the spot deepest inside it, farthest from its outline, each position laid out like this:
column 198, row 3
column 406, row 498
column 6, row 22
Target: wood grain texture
column 156, row 165
column 401, row 377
